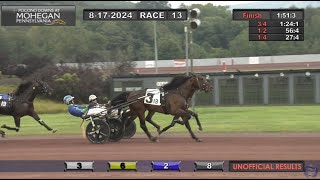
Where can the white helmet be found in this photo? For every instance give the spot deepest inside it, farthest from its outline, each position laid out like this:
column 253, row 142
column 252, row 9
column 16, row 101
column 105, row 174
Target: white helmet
column 92, row 97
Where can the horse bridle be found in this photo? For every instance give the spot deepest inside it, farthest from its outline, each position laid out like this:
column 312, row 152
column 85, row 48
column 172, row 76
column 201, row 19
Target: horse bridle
column 44, row 88
column 198, row 82
column 203, row 85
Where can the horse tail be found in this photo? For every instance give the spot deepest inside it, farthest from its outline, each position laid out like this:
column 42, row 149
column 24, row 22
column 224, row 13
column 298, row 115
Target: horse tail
column 121, row 98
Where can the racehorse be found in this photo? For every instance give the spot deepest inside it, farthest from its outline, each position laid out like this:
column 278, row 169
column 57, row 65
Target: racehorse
column 21, row 103
column 171, row 86
column 176, row 102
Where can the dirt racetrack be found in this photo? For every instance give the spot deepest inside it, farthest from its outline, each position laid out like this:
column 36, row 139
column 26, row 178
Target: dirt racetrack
column 294, row 146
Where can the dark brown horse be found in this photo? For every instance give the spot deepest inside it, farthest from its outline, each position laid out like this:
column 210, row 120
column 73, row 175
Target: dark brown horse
column 205, row 86
column 22, row 103
column 176, row 101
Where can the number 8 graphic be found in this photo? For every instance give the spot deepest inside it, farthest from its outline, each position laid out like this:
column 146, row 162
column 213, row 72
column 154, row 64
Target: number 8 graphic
column 209, row 166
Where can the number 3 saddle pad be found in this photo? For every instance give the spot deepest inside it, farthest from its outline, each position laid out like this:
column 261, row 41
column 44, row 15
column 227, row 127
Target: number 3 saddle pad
column 155, row 97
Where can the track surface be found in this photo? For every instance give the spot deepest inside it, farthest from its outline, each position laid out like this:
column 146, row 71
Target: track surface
column 300, row 146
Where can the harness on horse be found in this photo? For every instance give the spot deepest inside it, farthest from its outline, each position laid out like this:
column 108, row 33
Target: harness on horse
column 164, row 106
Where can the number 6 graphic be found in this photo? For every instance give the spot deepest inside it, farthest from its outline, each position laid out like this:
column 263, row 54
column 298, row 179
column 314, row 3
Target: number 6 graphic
column 122, row 165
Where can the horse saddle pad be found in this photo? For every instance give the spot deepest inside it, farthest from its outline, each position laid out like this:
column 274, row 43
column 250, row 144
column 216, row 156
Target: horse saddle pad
column 156, row 97
column 5, row 100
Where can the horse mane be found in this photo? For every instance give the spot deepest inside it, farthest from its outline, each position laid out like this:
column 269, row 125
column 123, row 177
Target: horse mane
column 121, row 98
column 175, row 82
column 22, row 87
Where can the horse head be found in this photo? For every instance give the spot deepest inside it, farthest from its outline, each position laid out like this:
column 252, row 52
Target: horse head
column 201, row 83
column 42, row 87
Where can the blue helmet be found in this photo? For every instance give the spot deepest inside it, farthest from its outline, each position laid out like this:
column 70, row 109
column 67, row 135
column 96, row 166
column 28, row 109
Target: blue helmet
column 67, row 99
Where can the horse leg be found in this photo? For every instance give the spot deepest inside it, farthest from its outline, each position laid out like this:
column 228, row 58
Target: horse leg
column 145, row 129
column 2, row 133
column 174, row 121
column 195, row 115
column 17, row 123
column 148, row 119
column 37, row 118
column 186, row 117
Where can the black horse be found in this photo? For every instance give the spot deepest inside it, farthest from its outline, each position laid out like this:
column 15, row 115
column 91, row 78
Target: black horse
column 21, row 103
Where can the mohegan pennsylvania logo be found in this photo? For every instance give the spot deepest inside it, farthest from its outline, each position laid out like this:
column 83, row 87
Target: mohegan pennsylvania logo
column 57, row 22
column 48, row 16
column 38, row 15
column 311, row 170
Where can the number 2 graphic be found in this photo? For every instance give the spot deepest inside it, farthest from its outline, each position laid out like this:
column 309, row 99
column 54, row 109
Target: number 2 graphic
column 166, row 166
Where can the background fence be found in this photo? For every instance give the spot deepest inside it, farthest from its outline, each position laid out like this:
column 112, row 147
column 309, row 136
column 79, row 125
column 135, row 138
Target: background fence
column 247, row 89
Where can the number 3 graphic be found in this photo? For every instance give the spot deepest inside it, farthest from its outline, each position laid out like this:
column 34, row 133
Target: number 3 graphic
column 150, row 98
column 79, row 166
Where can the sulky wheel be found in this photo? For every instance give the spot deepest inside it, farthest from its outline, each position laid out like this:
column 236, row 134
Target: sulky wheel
column 130, row 130
column 98, row 134
column 116, row 131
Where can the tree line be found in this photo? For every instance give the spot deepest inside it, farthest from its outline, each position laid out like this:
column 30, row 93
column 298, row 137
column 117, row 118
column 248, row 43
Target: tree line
column 40, row 48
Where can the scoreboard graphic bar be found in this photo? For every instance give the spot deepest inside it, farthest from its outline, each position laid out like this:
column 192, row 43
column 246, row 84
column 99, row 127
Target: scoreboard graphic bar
column 76, row 166
column 135, row 14
column 268, row 14
column 276, row 30
column 166, row 165
column 122, row 165
column 273, row 24
column 276, row 23
column 266, row 166
column 276, row 37
column 209, row 165
column 309, row 167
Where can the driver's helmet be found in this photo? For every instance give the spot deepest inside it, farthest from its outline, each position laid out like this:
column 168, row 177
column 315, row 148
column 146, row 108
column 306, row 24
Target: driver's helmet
column 92, row 97
column 67, row 99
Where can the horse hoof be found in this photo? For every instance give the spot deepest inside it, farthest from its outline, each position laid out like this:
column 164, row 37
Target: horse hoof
column 200, row 129
column 198, row 140
column 154, row 139
column 3, row 135
column 54, row 131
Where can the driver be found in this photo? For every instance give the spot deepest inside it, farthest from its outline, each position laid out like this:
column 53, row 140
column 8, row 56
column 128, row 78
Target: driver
column 93, row 101
column 74, row 109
